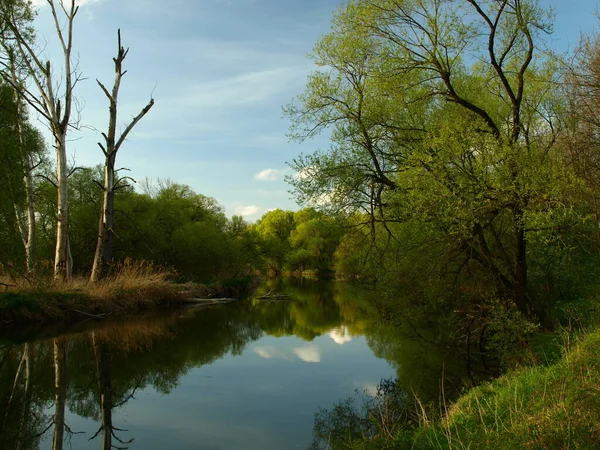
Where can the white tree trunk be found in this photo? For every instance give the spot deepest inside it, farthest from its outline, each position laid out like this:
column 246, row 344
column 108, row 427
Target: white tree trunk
column 54, row 102
column 26, row 221
column 63, row 262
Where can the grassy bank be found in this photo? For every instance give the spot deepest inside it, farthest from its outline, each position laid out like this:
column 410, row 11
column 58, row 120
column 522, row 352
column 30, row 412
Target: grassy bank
column 552, row 407
column 555, row 406
column 133, row 289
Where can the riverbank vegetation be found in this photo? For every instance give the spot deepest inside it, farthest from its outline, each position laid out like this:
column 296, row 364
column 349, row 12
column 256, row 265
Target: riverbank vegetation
column 542, row 407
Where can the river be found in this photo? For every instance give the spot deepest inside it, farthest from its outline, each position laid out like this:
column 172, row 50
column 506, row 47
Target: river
column 245, row 375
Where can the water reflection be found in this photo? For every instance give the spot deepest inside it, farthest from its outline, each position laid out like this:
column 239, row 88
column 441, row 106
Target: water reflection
column 244, row 375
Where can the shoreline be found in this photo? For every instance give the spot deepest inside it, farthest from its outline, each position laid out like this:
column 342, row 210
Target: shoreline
column 75, row 302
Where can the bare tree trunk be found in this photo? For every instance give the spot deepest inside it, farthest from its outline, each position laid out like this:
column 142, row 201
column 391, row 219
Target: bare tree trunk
column 54, row 102
column 60, row 393
column 63, row 263
column 28, row 230
column 104, row 244
column 15, row 383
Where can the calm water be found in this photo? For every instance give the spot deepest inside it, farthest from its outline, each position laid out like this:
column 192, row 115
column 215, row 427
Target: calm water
column 248, row 375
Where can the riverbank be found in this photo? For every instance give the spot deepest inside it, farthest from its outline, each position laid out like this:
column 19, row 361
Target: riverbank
column 126, row 293
column 548, row 406
column 543, row 407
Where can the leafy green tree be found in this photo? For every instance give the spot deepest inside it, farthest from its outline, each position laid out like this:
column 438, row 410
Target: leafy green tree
column 274, row 229
column 314, row 241
column 444, row 124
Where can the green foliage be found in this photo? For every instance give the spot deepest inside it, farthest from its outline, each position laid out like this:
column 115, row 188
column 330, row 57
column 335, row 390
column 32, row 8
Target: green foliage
column 542, row 407
column 446, row 151
column 174, row 227
column 274, row 229
column 298, row 242
column 15, row 157
column 508, row 333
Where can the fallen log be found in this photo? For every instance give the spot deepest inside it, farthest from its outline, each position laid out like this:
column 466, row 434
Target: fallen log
column 209, row 301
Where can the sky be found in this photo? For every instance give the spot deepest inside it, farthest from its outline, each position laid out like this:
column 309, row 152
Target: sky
column 220, row 72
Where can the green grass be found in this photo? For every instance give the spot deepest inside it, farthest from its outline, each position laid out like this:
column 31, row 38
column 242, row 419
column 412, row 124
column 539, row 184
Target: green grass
column 544, row 407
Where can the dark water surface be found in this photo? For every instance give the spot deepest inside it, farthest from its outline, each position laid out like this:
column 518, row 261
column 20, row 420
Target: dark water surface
column 247, row 375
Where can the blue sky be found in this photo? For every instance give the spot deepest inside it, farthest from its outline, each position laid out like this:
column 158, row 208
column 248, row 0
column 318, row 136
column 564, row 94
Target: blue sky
column 220, row 72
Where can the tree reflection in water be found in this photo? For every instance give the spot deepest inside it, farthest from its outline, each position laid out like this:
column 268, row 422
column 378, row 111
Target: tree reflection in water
column 94, row 372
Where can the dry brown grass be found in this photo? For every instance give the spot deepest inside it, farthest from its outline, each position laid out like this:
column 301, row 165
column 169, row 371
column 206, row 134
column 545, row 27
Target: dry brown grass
column 133, row 287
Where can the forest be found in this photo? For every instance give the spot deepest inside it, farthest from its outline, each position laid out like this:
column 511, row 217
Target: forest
column 461, row 181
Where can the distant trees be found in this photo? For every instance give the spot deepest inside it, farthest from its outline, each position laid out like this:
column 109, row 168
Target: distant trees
column 298, row 241
column 172, row 227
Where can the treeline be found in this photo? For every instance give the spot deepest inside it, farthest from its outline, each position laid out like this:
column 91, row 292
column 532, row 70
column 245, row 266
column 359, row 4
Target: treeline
column 176, row 228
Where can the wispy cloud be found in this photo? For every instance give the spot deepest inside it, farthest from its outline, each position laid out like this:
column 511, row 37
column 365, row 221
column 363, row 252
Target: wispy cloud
column 370, row 388
column 248, row 89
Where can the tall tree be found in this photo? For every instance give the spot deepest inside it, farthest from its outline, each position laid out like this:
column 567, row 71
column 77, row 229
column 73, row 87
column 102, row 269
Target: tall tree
column 20, row 15
column 104, row 246
column 443, row 114
column 583, row 141
column 55, row 105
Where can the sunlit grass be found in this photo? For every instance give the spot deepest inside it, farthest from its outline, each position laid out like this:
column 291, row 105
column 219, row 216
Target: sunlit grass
column 552, row 407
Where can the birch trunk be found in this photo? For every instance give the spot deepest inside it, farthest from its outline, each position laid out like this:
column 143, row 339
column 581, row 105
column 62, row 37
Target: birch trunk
column 63, row 263
column 54, row 102
column 104, row 244
column 28, row 228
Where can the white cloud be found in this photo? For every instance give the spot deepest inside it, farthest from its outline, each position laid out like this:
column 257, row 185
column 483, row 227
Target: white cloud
column 308, row 354
column 246, row 210
column 340, row 335
column 270, row 174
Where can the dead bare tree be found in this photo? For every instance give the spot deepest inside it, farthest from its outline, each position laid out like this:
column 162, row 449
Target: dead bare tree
column 104, row 246
column 54, row 101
